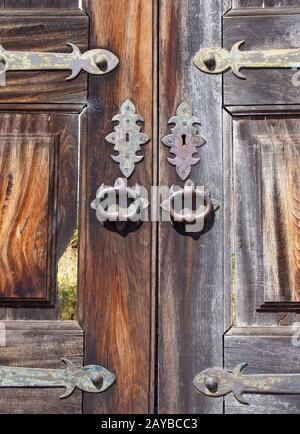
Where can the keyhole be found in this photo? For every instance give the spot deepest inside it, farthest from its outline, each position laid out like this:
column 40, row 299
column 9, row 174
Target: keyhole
column 183, row 138
column 127, row 137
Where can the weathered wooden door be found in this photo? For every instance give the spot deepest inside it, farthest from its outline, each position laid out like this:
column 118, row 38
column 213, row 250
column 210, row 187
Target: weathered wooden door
column 260, row 209
column 39, row 159
column 261, row 159
column 156, row 304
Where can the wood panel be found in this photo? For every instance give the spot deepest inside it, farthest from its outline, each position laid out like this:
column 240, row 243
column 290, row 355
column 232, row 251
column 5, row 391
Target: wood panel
column 46, row 34
column 65, row 128
column 27, row 217
column 115, row 286
column 262, row 86
column 40, row 344
column 266, row 154
column 267, row 350
column 190, row 314
column 280, row 159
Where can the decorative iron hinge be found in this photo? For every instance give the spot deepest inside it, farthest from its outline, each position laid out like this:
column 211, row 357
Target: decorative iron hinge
column 217, row 60
column 217, row 382
column 91, row 379
column 97, row 62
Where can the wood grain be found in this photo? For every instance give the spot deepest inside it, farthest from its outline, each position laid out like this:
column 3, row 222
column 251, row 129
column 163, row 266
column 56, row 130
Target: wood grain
column 190, row 314
column 19, row 4
column 27, row 191
column 45, row 34
column 248, row 236
column 40, row 344
column 65, row 128
column 280, row 159
column 245, row 4
column 266, row 152
column 115, row 285
column 263, row 86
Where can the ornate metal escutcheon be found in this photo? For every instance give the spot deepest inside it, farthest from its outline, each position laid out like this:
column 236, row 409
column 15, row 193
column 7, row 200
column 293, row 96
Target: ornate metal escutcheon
column 127, row 138
column 97, row 61
column 216, row 382
column 181, row 203
column 184, row 140
column 217, row 60
column 119, row 203
column 91, row 379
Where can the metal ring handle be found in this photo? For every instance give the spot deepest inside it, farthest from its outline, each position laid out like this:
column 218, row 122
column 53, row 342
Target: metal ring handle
column 113, row 211
column 190, row 217
column 119, row 214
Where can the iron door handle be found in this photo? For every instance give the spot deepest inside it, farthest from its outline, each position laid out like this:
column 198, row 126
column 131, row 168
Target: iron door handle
column 190, row 216
column 110, row 208
column 188, row 195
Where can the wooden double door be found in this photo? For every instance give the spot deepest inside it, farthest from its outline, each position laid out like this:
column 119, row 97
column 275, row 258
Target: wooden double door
column 155, row 305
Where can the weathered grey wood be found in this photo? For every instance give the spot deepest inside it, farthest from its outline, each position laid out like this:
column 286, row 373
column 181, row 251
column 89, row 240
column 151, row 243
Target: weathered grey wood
column 228, row 257
column 280, row 159
column 280, row 332
column 266, row 266
column 247, row 203
column 263, row 110
column 263, row 11
column 190, row 269
column 265, row 86
column 267, row 351
column 40, row 344
column 264, row 3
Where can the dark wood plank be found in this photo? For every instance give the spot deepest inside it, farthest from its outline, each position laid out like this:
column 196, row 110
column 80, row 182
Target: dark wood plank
column 65, row 128
column 115, row 307
column 266, row 352
column 41, row 3
column 262, row 86
column 39, row 344
column 190, row 269
column 46, row 34
column 65, row 4
column 17, row 4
